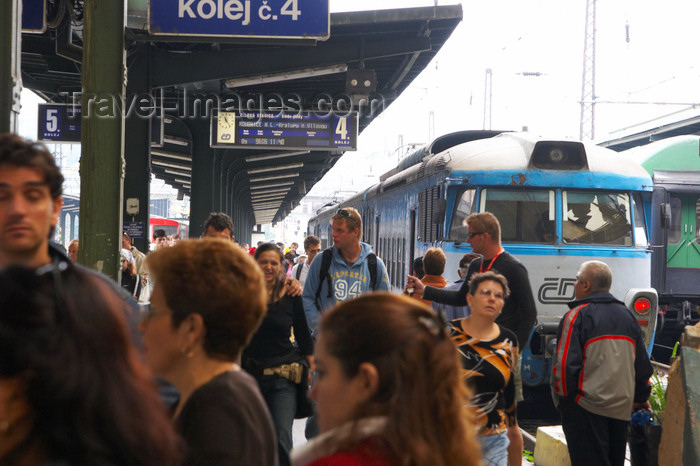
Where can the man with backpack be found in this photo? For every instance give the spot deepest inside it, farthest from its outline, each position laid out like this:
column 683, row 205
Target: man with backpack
column 343, row 272
column 312, row 246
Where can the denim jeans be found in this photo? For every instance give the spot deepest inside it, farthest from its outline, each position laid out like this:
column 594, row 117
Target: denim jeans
column 281, row 397
column 494, row 449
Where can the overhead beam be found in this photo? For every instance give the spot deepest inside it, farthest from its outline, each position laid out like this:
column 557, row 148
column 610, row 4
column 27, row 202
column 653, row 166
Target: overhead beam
column 170, row 68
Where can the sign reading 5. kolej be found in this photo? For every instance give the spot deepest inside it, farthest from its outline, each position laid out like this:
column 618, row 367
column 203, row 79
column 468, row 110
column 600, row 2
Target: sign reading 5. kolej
column 244, row 18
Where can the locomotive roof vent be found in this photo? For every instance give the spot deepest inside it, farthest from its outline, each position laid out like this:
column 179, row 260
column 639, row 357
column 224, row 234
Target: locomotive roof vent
column 559, row 155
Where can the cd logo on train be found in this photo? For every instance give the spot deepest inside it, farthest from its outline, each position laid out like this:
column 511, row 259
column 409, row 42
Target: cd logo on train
column 556, row 290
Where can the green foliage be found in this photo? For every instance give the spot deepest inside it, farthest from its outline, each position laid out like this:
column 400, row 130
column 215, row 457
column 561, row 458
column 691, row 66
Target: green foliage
column 528, row 455
column 657, row 398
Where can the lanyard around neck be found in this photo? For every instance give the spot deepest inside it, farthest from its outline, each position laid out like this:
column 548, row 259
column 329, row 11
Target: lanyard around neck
column 481, row 266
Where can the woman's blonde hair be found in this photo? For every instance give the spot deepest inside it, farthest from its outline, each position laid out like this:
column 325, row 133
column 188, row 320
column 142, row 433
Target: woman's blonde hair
column 420, row 388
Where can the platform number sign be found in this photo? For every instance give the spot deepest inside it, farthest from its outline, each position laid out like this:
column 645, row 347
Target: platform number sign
column 59, row 123
column 287, row 19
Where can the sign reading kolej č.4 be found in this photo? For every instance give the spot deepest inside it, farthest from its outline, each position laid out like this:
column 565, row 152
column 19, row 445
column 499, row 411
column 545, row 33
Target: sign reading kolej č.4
column 304, row 19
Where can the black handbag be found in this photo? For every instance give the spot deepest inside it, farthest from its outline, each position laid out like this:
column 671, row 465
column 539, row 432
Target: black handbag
column 305, row 407
column 644, row 444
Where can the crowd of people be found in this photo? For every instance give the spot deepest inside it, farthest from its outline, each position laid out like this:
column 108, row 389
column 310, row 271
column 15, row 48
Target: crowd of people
column 236, row 342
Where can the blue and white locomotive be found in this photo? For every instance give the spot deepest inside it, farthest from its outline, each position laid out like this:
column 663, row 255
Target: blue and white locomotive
column 559, row 203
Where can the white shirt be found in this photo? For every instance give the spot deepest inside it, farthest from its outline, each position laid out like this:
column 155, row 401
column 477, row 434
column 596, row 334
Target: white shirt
column 304, row 271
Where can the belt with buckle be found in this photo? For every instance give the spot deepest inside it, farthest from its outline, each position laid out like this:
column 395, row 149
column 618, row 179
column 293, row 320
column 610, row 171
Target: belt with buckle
column 293, row 371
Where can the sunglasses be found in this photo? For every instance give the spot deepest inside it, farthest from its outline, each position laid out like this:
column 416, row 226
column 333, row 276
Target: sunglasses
column 473, row 234
column 344, row 213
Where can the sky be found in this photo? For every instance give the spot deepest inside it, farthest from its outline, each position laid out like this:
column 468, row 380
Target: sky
column 511, row 37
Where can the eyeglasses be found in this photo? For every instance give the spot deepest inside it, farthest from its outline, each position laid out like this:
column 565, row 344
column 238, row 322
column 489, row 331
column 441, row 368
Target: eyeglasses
column 473, row 234
column 488, row 293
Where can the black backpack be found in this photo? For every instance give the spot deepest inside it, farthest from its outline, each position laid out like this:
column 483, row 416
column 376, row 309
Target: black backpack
column 298, row 272
column 326, row 265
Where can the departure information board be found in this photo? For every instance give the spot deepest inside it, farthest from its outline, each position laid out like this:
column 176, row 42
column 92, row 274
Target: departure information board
column 270, row 130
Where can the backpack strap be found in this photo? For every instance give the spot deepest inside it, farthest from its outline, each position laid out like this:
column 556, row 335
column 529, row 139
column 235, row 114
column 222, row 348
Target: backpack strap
column 372, row 266
column 298, row 274
column 326, row 259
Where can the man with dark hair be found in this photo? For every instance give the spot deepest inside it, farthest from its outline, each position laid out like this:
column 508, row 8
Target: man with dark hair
column 312, row 246
column 160, row 238
column 601, row 370
column 218, row 225
column 31, row 186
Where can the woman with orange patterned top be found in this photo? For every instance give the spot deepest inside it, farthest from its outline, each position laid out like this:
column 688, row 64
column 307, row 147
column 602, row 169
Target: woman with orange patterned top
column 488, row 352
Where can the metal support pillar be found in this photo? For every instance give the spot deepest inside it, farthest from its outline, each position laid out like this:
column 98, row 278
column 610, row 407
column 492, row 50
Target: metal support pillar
column 137, row 145
column 102, row 161
column 202, row 176
column 10, row 62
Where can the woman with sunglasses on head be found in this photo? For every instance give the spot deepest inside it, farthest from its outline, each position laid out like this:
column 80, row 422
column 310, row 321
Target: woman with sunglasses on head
column 73, row 389
column 488, row 353
column 208, row 299
column 278, row 365
column 388, row 388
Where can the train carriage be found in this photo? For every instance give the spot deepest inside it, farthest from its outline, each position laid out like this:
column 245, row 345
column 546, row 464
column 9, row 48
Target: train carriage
column 674, row 165
column 559, row 203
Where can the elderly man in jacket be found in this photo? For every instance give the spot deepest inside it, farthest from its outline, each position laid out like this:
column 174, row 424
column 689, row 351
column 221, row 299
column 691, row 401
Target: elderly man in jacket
column 601, row 370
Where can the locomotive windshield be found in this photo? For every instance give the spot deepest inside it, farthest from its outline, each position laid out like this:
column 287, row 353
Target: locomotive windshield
column 530, row 216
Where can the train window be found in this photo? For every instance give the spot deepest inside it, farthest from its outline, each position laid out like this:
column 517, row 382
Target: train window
column 596, row 218
column 463, row 208
column 674, row 233
column 640, row 231
column 525, row 215
column 697, row 220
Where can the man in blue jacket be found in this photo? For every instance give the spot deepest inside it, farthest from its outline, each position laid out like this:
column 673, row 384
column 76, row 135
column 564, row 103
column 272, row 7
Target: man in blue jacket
column 601, row 370
column 349, row 271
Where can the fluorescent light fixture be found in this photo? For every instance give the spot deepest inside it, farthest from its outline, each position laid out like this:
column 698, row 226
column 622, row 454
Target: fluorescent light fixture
column 176, row 141
column 262, row 195
column 179, row 173
column 260, row 179
column 182, row 181
column 273, row 185
column 275, row 155
column 253, row 171
column 177, row 166
column 269, row 202
column 269, row 198
column 285, row 76
column 170, row 155
column 275, row 190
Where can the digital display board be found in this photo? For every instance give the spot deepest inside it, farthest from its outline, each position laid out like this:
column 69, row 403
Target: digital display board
column 270, row 130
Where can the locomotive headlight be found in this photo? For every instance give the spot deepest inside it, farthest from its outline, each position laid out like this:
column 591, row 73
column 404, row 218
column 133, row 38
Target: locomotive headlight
column 641, row 305
column 556, row 155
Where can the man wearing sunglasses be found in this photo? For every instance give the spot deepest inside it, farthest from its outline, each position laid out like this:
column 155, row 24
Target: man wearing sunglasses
column 312, row 246
column 519, row 312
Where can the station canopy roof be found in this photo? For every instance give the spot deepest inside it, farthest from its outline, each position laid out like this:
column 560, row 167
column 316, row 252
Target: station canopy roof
column 396, row 45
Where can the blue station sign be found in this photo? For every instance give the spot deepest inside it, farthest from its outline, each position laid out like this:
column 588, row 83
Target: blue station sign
column 59, row 123
column 305, row 19
column 269, row 130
